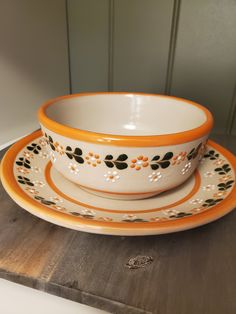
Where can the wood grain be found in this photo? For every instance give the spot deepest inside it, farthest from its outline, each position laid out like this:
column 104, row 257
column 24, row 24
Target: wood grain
column 192, row 271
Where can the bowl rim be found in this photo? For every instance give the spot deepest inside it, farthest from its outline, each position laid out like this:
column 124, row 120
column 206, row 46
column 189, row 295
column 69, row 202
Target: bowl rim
column 125, row 140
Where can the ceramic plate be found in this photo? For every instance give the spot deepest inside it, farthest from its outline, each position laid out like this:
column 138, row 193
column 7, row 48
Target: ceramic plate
column 29, row 177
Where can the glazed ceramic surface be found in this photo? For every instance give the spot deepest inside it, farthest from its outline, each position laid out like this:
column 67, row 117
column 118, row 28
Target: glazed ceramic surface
column 33, row 182
column 146, row 143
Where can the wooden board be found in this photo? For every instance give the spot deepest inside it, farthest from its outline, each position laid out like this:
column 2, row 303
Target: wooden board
column 192, row 271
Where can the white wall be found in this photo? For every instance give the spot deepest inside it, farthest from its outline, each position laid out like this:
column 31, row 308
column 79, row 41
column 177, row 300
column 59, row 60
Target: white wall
column 33, row 61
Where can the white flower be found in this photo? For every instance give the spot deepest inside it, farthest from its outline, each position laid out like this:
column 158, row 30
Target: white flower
column 155, row 176
column 129, row 217
column 31, row 190
column 170, row 212
column 186, row 168
column 105, row 218
column 58, row 207
column 219, row 194
column 36, row 169
column 196, row 210
column 111, row 176
column 88, row 212
column 39, row 183
column 52, row 157
column 73, row 168
column 208, row 187
column 56, row 199
column 44, row 155
column 28, row 155
column 22, row 170
column 209, row 174
column 196, row 201
column 43, row 142
column 202, row 160
column 219, row 162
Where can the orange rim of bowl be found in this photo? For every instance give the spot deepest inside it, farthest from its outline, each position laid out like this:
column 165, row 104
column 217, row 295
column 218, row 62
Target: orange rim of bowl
column 125, row 140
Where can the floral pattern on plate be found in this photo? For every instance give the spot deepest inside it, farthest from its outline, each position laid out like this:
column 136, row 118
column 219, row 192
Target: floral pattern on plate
column 217, row 181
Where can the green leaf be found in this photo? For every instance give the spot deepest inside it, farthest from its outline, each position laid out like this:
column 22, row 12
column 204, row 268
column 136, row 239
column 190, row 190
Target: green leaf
column 78, row 151
column 168, row 156
column 164, row 164
column 109, row 157
column 225, row 166
column 69, row 155
column 122, row 157
column 156, row 158
column 155, row 166
column 120, row 165
column 79, row 159
column 109, row 164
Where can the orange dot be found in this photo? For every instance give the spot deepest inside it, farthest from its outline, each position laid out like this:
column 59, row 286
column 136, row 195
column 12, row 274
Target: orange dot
column 138, row 168
column 145, row 164
column 94, row 165
column 87, row 158
column 145, row 158
column 134, row 161
column 88, row 162
column 90, row 154
column 96, row 156
column 98, row 161
column 132, row 166
column 140, row 157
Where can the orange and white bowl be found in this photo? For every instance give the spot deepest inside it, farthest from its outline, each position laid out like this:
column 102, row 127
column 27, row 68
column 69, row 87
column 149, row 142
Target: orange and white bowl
column 125, row 145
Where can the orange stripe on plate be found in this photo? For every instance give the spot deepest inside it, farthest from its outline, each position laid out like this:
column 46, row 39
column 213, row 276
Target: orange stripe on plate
column 59, row 192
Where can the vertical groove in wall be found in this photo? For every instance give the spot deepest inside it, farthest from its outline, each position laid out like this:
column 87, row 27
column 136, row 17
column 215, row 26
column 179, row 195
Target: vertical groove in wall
column 232, row 113
column 172, row 46
column 110, row 44
column 68, row 46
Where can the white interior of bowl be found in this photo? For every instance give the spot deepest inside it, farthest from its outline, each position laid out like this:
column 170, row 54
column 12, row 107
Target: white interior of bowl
column 127, row 114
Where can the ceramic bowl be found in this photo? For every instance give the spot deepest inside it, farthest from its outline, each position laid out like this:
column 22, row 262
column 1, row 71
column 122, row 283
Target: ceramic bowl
column 125, row 145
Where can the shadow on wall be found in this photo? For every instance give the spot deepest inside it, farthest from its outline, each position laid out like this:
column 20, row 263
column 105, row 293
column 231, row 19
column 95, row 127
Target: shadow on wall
column 33, row 61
